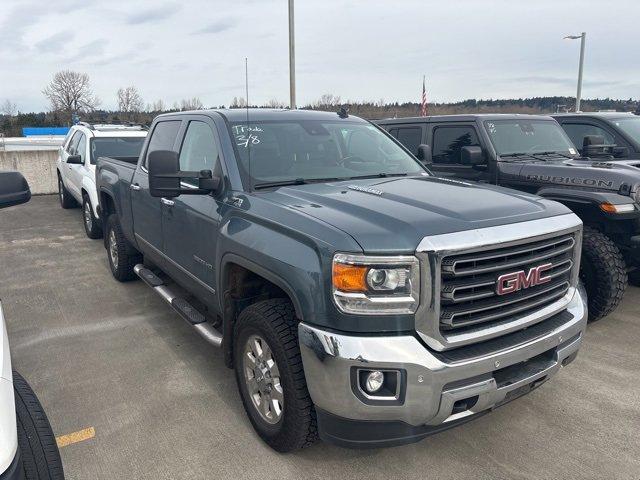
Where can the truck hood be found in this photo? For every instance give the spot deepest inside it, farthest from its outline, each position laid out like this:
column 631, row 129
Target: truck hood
column 608, row 176
column 394, row 215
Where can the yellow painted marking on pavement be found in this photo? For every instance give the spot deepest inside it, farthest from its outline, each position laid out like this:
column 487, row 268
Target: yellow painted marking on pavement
column 75, row 437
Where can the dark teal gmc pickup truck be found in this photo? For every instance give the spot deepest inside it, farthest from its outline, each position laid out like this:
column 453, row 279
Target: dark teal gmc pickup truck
column 358, row 297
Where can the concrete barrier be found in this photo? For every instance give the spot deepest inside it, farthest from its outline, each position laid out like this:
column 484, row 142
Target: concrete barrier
column 38, row 167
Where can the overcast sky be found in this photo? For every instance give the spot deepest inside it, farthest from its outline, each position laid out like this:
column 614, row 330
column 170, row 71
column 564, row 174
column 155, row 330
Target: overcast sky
column 358, row 49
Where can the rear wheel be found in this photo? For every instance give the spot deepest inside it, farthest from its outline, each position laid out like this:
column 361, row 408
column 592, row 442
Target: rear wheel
column 66, row 200
column 270, row 376
column 122, row 256
column 37, row 443
column 603, row 272
column 92, row 226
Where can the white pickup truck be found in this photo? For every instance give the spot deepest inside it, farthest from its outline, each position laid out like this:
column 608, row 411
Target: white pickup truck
column 77, row 164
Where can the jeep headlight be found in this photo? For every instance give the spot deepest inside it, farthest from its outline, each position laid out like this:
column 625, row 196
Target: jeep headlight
column 376, row 285
column 636, row 194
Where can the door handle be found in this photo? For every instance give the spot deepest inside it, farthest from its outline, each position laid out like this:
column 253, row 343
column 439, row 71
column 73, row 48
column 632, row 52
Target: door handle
column 167, row 202
column 135, row 186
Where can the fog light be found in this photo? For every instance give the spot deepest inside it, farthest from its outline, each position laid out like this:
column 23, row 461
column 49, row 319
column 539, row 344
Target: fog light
column 374, row 381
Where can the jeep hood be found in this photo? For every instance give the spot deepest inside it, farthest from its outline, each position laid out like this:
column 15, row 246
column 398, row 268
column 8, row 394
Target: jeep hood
column 394, row 215
column 581, row 173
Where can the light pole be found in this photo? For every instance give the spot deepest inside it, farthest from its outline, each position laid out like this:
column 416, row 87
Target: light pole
column 292, row 59
column 582, row 38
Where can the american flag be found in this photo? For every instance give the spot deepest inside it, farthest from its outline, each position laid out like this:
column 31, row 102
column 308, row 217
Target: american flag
column 424, row 111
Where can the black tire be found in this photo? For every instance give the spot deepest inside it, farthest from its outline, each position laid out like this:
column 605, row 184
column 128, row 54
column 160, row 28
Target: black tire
column 603, row 272
column 92, row 226
column 634, row 277
column 121, row 254
column 274, row 320
column 37, row 443
column 66, row 200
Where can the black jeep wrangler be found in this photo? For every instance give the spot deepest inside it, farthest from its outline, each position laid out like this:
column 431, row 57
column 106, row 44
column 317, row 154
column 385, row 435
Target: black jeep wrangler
column 533, row 153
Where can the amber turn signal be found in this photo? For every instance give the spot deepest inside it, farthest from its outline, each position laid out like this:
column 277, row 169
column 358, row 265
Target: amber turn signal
column 350, row 278
column 611, row 208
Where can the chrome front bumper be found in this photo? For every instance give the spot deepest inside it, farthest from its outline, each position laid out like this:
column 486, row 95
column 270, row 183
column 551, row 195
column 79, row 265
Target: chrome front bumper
column 434, row 382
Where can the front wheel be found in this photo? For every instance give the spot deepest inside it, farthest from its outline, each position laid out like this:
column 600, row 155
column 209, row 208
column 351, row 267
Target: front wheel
column 92, row 226
column 270, row 376
column 603, row 272
column 37, row 443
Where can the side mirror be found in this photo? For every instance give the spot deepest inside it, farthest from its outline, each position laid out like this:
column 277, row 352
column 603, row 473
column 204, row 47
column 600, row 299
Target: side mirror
column 620, row 152
column 471, row 156
column 14, row 189
column 424, row 154
column 74, row 160
column 594, row 146
column 165, row 177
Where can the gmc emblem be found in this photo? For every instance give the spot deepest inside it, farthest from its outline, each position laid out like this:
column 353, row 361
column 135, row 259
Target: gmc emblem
column 512, row 282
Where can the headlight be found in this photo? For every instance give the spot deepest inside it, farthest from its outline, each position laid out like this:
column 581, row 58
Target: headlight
column 372, row 285
column 636, row 195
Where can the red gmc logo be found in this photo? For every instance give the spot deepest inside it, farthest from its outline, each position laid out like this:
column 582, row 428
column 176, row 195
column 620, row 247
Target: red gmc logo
column 512, row 282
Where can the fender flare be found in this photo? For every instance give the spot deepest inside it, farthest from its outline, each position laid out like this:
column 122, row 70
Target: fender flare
column 258, row 270
column 590, row 198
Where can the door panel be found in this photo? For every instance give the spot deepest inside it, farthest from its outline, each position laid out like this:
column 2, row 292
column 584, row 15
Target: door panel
column 147, row 210
column 190, row 222
column 76, row 171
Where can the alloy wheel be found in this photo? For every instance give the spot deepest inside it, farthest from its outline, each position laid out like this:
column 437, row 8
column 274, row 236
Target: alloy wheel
column 113, row 249
column 262, row 379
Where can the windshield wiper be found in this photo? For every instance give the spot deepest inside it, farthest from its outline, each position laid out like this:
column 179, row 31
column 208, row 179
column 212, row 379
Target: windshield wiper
column 298, row 181
column 379, row 175
column 281, row 183
column 555, row 153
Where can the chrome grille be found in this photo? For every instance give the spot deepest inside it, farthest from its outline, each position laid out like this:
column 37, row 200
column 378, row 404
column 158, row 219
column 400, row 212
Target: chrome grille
column 468, row 294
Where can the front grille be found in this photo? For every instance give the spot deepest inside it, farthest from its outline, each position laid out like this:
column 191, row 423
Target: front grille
column 468, row 295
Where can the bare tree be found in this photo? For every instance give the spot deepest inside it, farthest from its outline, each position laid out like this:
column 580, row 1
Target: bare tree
column 157, row 106
column 238, row 102
column 129, row 100
column 275, row 103
column 9, row 108
column 71, row 92
column 327, row 100
column 191, row 104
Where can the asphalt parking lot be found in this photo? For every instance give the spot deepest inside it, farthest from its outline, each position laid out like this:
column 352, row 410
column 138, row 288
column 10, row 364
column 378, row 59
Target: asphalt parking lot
column 113, row 357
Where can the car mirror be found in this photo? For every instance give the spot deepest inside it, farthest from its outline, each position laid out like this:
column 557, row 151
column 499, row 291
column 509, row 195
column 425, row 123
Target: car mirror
column 14, row 189
column 424, row 154
column 621, row 152
column 594, row 146
column 74, row 160
column 471, row 156
column 166, row 178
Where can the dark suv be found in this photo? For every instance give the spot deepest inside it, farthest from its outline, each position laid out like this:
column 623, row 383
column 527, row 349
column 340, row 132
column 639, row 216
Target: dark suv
column 616, row 128
column 532, row 153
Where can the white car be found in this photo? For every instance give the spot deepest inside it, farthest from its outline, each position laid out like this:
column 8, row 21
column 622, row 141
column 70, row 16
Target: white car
column 77, row 164
column 28, row 447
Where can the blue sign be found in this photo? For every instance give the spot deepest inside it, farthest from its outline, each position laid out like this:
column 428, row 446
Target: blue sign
column 35, row 131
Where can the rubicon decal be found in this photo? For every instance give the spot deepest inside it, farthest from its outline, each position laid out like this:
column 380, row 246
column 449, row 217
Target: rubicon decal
column 515, row 281
column 589, row 182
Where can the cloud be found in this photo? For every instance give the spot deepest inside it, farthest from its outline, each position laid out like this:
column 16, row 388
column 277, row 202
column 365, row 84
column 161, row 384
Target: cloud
column 93, row 49
column 216, row 27
column 152, row 15
column 55, row 42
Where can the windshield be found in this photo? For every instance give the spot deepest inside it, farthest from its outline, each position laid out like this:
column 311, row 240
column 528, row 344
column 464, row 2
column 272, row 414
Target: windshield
column 511, row 137
column 298, row 151
column 115, row 147
column 630, row 126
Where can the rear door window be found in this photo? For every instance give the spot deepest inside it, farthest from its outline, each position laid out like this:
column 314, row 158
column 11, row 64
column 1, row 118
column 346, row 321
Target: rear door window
column 448, row 143
column 163, row 137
